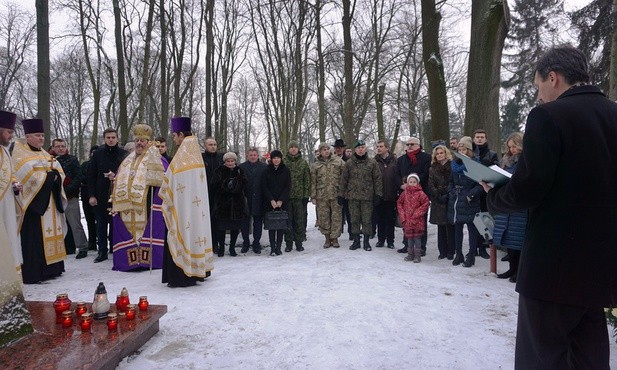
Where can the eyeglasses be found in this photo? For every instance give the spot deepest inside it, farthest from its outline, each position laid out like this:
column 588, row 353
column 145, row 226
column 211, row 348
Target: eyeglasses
column 412, row 144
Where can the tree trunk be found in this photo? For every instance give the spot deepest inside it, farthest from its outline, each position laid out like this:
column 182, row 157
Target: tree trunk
column 209, row 58
column 612, row 90
column 321, row 75
column 433, row 64
column 143, row 92
column 164, row 124
column 348, row 73
column 43, row 66
column 122, row 100
column 489, row 27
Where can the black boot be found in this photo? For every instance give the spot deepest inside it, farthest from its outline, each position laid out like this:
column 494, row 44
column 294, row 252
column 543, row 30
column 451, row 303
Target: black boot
column 367, row 244
column 82, row 254
column 289, row 246
column 402, row 250
column 221, row 250
column 356, row 242
column 458, row 259
column 506, row 274
column 245, row 247
column 470, row 260
column 232, row 250
column 273, row 250
column 482, row 253
column 277, row 250
column 101, row 257
column 299, row 247
column 256, row 248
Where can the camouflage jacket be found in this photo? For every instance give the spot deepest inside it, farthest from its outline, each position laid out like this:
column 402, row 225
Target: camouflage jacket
column 361, row 179
column 300, row 176
column 326, row 177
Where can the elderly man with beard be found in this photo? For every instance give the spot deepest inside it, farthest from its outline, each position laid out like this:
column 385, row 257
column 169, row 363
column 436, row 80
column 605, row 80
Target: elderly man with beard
column 139, row 228
column 43, row 201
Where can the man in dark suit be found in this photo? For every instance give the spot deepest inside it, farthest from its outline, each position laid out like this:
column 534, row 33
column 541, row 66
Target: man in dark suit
column 566, row 179
column 101, row 172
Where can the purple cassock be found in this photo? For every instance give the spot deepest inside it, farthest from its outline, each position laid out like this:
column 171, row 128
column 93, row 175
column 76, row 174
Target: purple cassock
column 128, row 254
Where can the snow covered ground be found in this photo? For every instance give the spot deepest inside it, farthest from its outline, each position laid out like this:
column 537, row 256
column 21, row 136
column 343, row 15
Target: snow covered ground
column 318, row 309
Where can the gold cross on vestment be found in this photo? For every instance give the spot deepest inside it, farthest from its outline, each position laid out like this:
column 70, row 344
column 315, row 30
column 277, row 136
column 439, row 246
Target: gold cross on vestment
column 201, row 241
column 197, row 201
column 49, row 230
column 180, row 188
column 188, row 225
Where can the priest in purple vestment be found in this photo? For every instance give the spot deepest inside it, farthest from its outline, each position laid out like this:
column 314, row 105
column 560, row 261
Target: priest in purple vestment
column 138, row 225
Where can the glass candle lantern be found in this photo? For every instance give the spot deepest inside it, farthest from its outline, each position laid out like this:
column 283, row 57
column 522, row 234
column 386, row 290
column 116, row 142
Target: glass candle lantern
column 67, row 319
column 86, row 321
column 100, row 305
column 143, row 303
column 112, row 321
column 81, row 309
column 61, row 304
column 130, row 312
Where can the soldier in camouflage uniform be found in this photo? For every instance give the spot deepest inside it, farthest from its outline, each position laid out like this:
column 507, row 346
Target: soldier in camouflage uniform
column 298, row 197
column 361, row 185
column 325, row 180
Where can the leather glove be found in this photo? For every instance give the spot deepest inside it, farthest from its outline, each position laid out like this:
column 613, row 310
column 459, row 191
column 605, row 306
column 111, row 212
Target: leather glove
column 340, row 200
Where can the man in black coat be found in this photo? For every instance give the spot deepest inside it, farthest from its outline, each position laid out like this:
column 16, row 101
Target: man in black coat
column 253, row 169
column 415, row 160
column 566, row 179
column 102, row 170
column 487, row 157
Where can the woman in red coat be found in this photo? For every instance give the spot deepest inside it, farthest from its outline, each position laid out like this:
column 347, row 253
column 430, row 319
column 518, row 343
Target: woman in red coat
column 412, row 205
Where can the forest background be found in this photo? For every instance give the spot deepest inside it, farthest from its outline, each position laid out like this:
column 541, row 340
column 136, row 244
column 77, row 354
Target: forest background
column 263, row 73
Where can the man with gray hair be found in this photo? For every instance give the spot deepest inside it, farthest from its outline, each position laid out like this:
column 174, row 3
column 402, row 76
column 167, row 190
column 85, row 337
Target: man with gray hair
column 415, row 160
column 568, row 264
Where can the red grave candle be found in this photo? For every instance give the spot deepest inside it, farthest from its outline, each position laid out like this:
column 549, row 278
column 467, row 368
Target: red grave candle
column 143, row 303
column 67, row 319
column 61, row 304
column 130, row 312
column 86, row 321
column 112, row 321
column 81, row 309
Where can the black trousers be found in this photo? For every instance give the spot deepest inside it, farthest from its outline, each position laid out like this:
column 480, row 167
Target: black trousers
column 557, row 336
column 386, row 217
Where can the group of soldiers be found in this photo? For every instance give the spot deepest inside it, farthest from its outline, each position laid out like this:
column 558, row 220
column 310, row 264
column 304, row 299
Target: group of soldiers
column 153, row 203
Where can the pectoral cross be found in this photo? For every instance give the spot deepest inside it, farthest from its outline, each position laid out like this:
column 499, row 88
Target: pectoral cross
column 51, row 161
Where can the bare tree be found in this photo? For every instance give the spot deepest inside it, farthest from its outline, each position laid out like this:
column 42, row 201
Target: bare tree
column 283, row 34
column 17, row 31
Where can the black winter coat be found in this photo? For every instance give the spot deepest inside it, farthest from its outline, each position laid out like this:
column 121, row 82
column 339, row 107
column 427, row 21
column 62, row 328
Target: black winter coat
column 103, row 160
column 252, row 191
column 566, row 177
column 486, row 156
column 72, row 171
column 405, row 168
column 275, row 185
column 461, row 209
column 438, row 182
column 390, row 177
column 229, row 201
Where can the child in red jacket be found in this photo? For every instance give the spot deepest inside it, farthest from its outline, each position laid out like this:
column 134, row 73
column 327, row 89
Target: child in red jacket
column 412, row 205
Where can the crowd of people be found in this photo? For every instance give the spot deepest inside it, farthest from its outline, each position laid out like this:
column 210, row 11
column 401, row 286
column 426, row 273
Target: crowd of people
column 556, row 216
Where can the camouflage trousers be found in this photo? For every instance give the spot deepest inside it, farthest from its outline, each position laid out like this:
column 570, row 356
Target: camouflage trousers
column 297, row 217
column 329, row 217
column 361, row 212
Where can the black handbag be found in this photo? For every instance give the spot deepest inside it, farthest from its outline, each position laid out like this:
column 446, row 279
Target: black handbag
column 276, row 220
